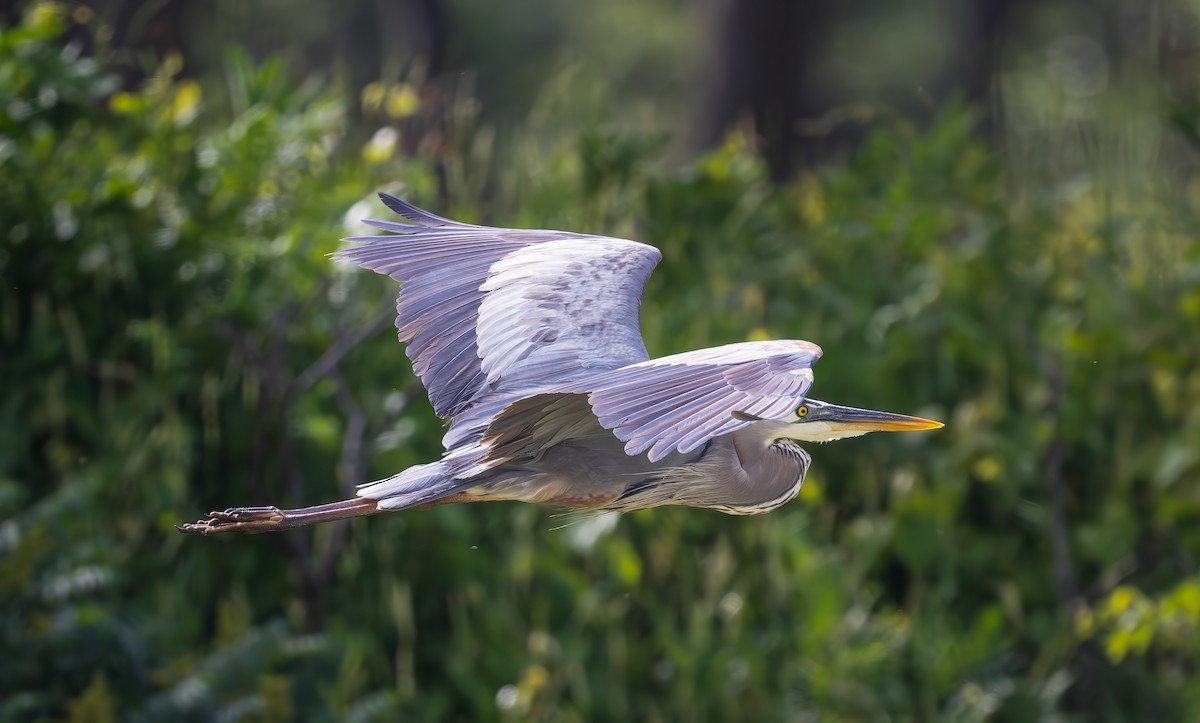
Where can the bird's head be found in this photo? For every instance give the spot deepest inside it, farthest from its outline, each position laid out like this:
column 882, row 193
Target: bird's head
column 817, row 421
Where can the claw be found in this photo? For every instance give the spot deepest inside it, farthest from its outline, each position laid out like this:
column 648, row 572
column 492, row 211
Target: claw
column 235, row 519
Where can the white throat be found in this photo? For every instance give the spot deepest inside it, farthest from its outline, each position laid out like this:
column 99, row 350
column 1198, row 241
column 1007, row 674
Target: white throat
column 813, row 431
column 817, row 432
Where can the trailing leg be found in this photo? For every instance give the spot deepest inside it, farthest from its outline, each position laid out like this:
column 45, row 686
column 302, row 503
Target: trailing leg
column 272, row 519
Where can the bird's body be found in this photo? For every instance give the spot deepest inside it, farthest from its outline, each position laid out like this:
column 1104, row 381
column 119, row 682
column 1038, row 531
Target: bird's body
column 584, row 465
column 529, row 343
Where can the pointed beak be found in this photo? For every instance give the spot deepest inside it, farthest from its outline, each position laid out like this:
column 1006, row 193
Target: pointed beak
column 869, row 420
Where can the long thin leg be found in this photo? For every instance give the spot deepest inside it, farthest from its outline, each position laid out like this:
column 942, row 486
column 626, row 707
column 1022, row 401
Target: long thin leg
column 272, row 519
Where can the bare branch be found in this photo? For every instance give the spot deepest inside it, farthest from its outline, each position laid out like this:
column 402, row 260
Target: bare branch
column 345, row 342
column 1053, row 458
column 351, row 470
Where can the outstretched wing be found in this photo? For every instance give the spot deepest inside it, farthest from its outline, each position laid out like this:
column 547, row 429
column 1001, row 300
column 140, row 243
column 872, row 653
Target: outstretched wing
column 678, row 403
column 494, row 312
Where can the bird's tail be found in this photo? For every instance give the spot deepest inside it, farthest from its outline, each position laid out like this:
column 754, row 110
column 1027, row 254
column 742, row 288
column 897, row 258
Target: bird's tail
column 418, row 485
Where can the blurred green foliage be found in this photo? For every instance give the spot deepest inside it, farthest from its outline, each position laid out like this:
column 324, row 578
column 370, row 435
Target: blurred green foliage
column 174, row 340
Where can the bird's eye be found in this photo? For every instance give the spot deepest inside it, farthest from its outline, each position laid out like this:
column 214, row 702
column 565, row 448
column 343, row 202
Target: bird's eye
column 802, row 410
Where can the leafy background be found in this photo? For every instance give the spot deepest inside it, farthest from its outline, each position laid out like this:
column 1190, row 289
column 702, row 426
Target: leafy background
column 174, row 340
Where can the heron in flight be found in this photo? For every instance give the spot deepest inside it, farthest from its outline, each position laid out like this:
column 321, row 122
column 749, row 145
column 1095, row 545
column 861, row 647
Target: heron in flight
column 528, row 341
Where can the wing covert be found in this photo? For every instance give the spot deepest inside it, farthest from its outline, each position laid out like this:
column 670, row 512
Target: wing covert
column 558, row 309
column 677, row 403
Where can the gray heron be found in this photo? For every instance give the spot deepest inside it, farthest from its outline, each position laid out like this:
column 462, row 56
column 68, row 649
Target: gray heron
column 529, row 343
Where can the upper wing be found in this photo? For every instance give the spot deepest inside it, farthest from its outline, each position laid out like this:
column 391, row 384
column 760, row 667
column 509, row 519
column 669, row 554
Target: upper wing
column 493, row 311
column 680, row 402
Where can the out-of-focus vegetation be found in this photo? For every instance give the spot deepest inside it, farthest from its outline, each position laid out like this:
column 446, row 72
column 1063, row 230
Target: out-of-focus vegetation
column 174, row 340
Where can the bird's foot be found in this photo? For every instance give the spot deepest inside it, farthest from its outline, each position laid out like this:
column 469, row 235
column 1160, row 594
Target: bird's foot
column 236, row 519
